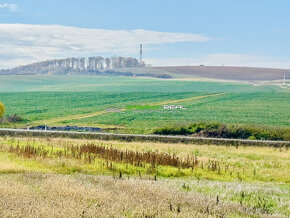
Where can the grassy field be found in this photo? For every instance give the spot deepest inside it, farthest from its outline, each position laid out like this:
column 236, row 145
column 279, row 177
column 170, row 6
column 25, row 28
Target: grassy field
column 70, row 177
column 61, row 177
column 82, row 100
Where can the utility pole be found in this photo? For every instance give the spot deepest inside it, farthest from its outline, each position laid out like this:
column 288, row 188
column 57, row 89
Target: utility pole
column 141, row 53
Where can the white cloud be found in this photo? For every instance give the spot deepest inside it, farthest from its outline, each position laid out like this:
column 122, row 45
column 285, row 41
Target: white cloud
column 226, row 59
column 25, row 43
column 10, row 7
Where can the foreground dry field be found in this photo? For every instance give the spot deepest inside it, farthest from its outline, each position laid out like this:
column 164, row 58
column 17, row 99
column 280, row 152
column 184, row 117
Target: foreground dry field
column 46, row 177
column 51, row 195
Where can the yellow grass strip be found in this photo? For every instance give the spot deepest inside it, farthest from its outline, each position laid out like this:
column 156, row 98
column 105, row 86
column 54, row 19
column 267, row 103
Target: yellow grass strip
column 191, row 98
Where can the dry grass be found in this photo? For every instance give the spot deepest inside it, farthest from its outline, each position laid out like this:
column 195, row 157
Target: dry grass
column 225, row 163
column 50, row 195
column 90, row 152
column 227, row 181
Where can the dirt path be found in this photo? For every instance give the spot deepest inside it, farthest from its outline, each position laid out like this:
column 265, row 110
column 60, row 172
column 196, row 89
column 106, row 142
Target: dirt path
column 71, row 117
column 191, row 98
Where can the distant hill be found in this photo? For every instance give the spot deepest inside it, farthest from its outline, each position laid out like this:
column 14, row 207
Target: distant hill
column 226, row 73
column 113, row 66
column 90, row 65
column 245, row 74
column 128, row 66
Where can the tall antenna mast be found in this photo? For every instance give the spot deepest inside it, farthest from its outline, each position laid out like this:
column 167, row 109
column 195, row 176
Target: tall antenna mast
column 141, row 52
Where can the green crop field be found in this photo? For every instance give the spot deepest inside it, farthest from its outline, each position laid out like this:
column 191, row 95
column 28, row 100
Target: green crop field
column 82, row 100
column 68, row 177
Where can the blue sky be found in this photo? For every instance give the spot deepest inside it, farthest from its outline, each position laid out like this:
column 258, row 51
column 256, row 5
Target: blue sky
column 174, row 32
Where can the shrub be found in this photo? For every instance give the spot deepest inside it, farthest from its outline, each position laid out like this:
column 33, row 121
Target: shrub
column 241, row 133
column 2, row 109
column 197, row 127
column 219, row 130
column 11, row 119
column 172, row 131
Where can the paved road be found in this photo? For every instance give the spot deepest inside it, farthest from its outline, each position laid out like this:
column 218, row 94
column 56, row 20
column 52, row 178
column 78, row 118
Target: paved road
column 140, row 137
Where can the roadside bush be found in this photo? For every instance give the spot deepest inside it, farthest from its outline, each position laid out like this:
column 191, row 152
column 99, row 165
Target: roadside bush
column 240, row 132
column 2, row 109
column 172, row 131
column 219, row 130
column 268, row 134
column 11, row 119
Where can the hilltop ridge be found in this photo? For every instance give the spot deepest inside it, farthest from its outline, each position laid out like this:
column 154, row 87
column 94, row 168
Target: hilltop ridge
column 128, row 66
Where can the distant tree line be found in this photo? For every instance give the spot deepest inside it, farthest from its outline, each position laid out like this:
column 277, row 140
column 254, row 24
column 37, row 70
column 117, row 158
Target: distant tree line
column 93, row 63
column 109, row 66
column 90, row 65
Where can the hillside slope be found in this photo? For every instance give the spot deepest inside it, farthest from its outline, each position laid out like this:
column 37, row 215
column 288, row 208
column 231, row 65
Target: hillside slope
column 227, row 73
column 120, row 66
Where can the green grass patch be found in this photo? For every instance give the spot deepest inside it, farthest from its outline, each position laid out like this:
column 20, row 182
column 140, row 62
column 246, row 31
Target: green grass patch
column 43, row 99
